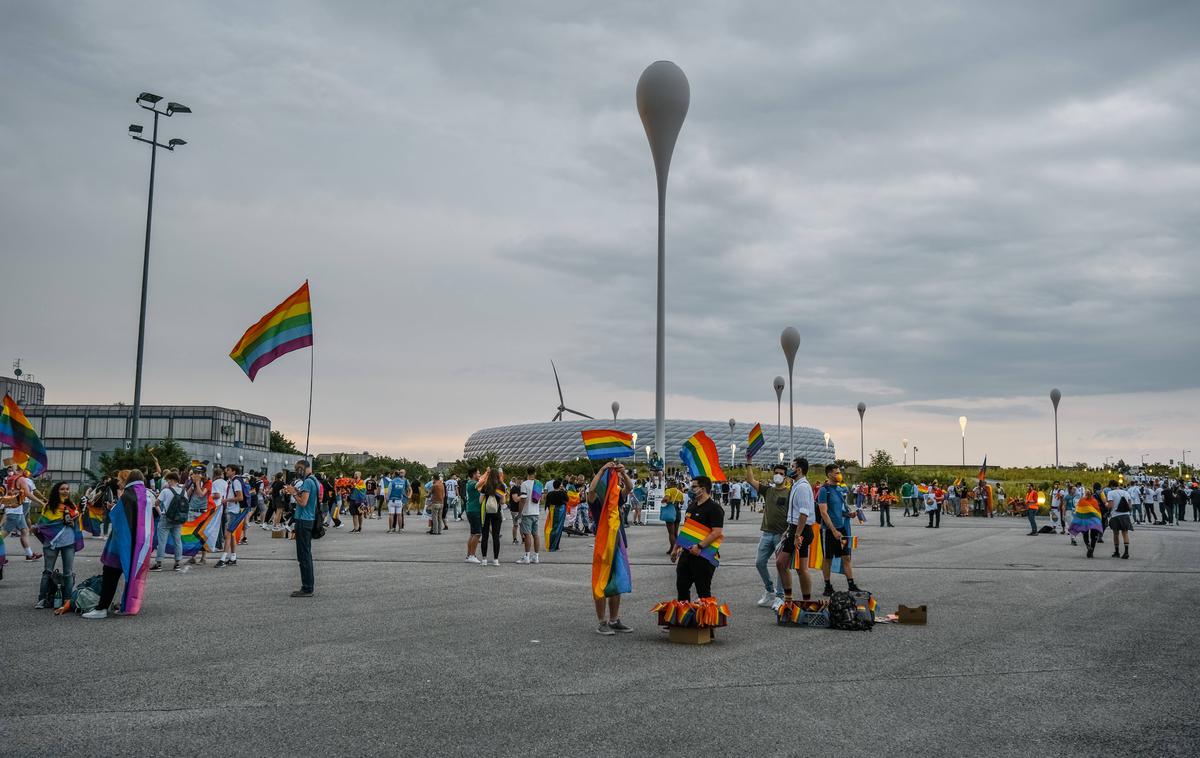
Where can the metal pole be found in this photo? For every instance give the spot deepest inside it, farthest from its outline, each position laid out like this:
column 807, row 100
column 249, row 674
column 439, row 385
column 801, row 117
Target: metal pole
column 312, row 362
column 862, row 444
column 141, row 342
column 1056, row 465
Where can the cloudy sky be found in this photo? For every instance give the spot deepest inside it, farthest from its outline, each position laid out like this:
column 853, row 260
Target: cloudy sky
column 960, row 206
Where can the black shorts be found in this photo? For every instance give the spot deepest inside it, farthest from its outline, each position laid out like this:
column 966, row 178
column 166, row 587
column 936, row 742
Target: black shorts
column 1119, row 523
column 788, row 545
column 834, row 548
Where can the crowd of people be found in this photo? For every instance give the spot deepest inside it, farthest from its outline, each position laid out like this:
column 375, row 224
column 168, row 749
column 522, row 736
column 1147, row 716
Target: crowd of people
column 145, row 516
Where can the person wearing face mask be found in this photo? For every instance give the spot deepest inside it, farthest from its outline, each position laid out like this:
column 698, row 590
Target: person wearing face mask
column 835, row 531
column 774, row 524
column 798, row 537
column 691, row 568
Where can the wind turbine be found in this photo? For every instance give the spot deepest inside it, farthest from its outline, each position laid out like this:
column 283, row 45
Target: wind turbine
column 562, row 407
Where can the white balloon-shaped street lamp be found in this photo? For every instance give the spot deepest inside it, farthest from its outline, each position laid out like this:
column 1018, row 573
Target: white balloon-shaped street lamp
column 962, row 424
column 663, row 95
column 789, row 340
column 862, row 442
column 1055, row 396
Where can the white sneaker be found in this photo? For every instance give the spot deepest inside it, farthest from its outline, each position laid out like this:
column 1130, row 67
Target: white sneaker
column 776, row 603
column 525, row 559
column 472, row 559
column 765, row 600
column 495, row 561
column 99, row 613
column 536, row 559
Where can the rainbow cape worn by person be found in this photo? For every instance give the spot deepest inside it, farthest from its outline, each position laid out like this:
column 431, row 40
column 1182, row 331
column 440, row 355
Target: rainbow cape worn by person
column 755, row 441
column 286, row 328
column 16, row 432
column 129, row 544
column 190, row 531
column 699, row 454
column 602, row 444
column 692, row 532
column 209, row 527
column 1087, row 517
column 610, row 558
column 556, row 519
column 59, row 528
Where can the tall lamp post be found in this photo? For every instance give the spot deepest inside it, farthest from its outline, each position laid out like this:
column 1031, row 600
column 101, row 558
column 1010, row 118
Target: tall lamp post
column 732, row 424
column 148, row 101
column 778, row 385
column 904, row 444
column 789, row 340
column 915, row 449
column 1055, row 396
column 662, row 98
column 862, row 442
column 732, row 454
column 962, row 424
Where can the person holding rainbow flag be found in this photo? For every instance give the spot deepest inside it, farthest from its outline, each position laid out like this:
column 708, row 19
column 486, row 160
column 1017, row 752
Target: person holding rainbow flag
column 610, row 559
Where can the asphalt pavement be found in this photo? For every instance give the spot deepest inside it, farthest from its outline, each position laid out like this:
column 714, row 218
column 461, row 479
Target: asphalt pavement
column 1031, row 649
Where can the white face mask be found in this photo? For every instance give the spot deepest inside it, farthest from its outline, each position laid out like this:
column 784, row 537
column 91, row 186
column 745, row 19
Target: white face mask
column 778, row 478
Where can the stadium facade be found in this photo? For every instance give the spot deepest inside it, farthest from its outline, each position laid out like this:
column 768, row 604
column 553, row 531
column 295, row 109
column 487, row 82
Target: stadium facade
column 552, row 441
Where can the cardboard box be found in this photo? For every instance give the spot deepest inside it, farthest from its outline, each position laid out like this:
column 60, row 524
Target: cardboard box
column 278, row 535
column 690, row 635
column 916, row 615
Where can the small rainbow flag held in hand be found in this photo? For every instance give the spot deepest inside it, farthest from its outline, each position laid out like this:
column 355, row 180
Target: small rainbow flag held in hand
column 287, row 328
column 699, row 454
column 602, row 444
column 755, row 441
column 15, row 431
column 693, row 533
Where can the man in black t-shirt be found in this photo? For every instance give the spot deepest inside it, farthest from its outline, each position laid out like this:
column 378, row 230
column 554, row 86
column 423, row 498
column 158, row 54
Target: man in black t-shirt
column 690, row 567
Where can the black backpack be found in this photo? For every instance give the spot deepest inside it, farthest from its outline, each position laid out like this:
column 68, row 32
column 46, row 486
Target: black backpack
column 844, row 613
column 177, row 509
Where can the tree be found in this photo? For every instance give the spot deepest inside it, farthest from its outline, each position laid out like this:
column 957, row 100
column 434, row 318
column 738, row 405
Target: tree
column 170, row 455
column 281, row 444
column 883, row 468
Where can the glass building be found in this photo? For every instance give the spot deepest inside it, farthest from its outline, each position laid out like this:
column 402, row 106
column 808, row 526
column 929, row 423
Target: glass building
column 76, row 436
column 560, row 441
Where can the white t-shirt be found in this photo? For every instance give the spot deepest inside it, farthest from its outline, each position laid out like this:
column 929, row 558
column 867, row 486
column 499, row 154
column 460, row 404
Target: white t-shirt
column 451, row 488
column 220, row 488
column 528, row 507
column 1135, row 495
column 735, row 491
column 801, row 500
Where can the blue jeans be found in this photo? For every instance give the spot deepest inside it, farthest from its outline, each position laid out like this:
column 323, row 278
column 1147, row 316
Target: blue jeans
column 1032, row 520
column 304, row 553
column 766, row 548
column 49, row 556
column 168, row 529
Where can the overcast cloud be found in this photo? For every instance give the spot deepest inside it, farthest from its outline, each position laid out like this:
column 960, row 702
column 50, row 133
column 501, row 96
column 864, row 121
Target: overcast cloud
column 959, row 206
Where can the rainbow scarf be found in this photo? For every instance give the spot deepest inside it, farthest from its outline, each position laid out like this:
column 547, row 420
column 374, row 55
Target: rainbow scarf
column 1087, row 517
column 52, row 524
column 286, row 328
column 602, row 444
column 691, row 533
column 610, row 558
column 556, row 518
column 129, row 544
column 699, row 454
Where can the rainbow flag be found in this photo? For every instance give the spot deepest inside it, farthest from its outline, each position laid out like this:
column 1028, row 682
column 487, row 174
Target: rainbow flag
column 130, row 545
column 1087, row 517
column 699, row 454
column 607, row 443
column 93, row 518
column 835, row 565
column 556, row 519
column 15, row 431
column 816, row 551
column 209, row 527
column 983, row 470
column 755, row 441
column 610, row 558
column 692, row 532
column 538, row 489
column 923, row 489
column 190, row 532
column 287, row 328
column 50, row 526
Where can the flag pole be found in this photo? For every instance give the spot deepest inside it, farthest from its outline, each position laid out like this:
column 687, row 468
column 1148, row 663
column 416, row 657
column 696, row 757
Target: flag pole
column 312, row 352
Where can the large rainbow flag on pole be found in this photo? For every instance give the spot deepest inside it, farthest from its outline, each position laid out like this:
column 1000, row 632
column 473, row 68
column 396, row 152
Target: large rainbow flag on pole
column 610, row 559
column 15, row 431
column 602, row 444
column 287, row 328
column 755, row 441
column 699, row 454
column 983, row 470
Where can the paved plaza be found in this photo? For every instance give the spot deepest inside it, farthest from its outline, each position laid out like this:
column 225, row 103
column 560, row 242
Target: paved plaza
column 1031, row 649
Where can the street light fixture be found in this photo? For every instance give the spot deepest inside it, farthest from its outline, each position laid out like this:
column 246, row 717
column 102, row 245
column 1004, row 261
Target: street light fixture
column 915, row 449
column 732, row 423
column 962, row 424
column 778, row 385
column 789, row 340
column 148, row 101
column 862, row 444
column 1055, row 396
column 662, row 96
column 904, row 444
